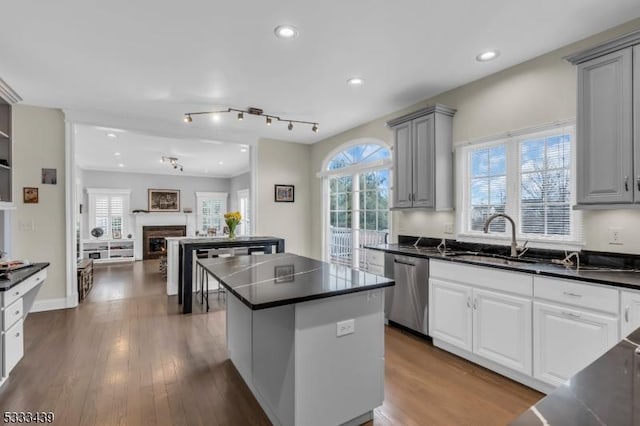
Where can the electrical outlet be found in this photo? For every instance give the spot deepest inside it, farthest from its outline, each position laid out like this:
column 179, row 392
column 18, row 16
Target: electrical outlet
column 615, row 236
column 448, row 228
column 345, row 327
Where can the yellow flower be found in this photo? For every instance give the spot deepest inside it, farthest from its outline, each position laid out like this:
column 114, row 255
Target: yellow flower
column 232, row 218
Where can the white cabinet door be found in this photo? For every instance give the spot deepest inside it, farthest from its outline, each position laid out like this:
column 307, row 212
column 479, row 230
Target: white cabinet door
column 565, row 340
column 450, row 316
column 502, row 329
column 630, row 315
column 403, row 170
column 13, row 347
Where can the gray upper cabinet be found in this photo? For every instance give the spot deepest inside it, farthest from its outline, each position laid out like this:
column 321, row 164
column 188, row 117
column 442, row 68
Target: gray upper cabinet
column 608, row 117
column 423, row 159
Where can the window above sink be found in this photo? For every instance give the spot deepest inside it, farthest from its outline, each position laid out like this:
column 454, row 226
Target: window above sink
column 529, row 175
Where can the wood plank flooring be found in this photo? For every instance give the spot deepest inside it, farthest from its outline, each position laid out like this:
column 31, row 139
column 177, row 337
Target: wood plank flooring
column 126, row 356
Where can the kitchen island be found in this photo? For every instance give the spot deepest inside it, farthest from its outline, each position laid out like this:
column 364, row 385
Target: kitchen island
column 180, row 259
column 306, row 336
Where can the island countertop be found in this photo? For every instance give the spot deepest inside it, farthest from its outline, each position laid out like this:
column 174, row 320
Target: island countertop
column 271, row 280
column 604, row 393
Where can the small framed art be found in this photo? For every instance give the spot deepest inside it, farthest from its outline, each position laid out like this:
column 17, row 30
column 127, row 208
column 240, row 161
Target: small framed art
column 284, row 193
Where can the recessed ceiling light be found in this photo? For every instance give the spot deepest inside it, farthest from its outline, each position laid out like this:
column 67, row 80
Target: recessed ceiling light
column 243, row 149
column 112, row 135
column 487, row 55
column 116, row 154
column 286, row 31
column 355, row 81
column 215, row 118
column 120, row 165
column 220, row 162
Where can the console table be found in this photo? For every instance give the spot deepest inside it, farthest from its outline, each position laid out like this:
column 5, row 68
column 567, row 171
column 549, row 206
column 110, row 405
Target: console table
column 185, row 258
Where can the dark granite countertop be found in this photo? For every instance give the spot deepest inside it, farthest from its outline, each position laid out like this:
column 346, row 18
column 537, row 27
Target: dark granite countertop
column 629, row 278
column 12, row 279
column 604, row 393
column 224, row 241
column 281, row 279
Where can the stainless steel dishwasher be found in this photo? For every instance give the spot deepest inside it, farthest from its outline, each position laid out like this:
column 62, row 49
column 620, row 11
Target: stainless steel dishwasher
column 406, row 303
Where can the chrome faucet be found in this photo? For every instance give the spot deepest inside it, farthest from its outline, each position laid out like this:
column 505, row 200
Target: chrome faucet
column 514, row 243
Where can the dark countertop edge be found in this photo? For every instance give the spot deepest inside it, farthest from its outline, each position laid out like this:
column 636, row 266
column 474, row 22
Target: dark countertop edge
column 294, row 300
column 228, row 242
column 25, row 273
column 513, row 268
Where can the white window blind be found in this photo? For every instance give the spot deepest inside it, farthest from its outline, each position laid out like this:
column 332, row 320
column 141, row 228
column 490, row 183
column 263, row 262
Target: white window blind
column 211, row 209
column 108, row 209
column 530, row 177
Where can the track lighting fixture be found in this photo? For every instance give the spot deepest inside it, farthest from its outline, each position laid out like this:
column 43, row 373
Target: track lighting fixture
column 173, row 162
column 253, row 111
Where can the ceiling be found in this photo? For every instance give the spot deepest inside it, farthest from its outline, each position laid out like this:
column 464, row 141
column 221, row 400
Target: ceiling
column 156, row 60
column 140, row 153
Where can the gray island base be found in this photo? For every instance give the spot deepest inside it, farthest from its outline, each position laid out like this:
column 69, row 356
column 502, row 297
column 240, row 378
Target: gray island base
column 307, row 337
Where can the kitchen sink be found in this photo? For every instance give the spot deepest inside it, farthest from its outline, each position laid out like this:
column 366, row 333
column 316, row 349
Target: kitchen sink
column 493, row 258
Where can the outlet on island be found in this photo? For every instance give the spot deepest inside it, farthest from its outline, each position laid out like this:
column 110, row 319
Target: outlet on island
column 345, row 327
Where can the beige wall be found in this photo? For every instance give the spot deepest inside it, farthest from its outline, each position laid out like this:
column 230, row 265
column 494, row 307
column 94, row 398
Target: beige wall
column 38, row 230
column 536, row 92
column 285, row 163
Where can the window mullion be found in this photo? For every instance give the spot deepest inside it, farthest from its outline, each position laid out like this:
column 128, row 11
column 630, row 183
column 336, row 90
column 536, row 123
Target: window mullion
column 512, row 207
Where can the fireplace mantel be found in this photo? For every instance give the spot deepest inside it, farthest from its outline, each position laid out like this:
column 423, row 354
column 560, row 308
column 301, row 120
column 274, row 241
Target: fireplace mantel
column 159, row 219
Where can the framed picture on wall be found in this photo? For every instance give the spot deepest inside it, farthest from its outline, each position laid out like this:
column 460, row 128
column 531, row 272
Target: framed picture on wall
column 30, row 195
column 284, row 193
column 164, row 200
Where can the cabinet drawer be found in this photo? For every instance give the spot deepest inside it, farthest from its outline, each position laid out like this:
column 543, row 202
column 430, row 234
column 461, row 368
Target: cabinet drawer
column 483, row 276
column 18, row 291
column 13, row 347
column 577, row 294
column 11, row 314
column 375, row 257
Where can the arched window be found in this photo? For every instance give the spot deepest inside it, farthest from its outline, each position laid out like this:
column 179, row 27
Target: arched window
column 356, row 181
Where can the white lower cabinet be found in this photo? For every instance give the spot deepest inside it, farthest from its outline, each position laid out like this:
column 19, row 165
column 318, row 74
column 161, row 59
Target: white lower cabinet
column 502, row 329
column 568, row 339
column 450, row 313
column 13, row 347
column 630, row 312
column 490, row 324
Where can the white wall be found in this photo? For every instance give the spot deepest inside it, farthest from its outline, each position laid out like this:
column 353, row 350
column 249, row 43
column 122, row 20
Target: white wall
column 539, row 91
column 237, row 183
column 38, row 230
column 284, row 163
column 139, row 183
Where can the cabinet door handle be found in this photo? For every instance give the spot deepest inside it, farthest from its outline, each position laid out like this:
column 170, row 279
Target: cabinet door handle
column 570, row 315
column 626, row 183
column 626, row 313
column 18, row 312
column 18, row 334
column 638, row 181
column 468, row 301
column 475, row 303
column 572, row 294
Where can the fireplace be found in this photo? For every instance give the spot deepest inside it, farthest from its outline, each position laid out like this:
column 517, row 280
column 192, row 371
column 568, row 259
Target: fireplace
column 153, row 242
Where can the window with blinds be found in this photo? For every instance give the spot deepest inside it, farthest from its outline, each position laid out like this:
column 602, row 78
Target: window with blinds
column 530, row 178
column 108, row 210
column 211, row 209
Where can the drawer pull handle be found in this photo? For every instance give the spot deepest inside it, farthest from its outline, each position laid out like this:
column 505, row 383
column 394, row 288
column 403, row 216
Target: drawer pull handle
column 572, row 294
column 17, row 293
column 468, row 302
column 626, row 313
column 570, row 315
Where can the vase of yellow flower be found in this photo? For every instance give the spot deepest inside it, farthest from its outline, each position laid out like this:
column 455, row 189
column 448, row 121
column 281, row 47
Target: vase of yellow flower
column 232, row 220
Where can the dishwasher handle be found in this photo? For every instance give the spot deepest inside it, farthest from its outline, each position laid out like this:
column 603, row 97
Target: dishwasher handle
column 403, row 263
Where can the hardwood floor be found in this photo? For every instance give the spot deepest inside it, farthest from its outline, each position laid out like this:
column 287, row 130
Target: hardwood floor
column 126, row 356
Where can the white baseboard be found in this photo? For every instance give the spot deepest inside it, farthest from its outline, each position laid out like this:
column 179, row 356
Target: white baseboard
column 49, row 305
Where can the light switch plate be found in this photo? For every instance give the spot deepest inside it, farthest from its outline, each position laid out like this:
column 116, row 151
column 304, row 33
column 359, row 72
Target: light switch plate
column 345, row 327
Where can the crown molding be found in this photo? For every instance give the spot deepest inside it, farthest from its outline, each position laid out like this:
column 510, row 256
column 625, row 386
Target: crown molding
column 8, row 94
